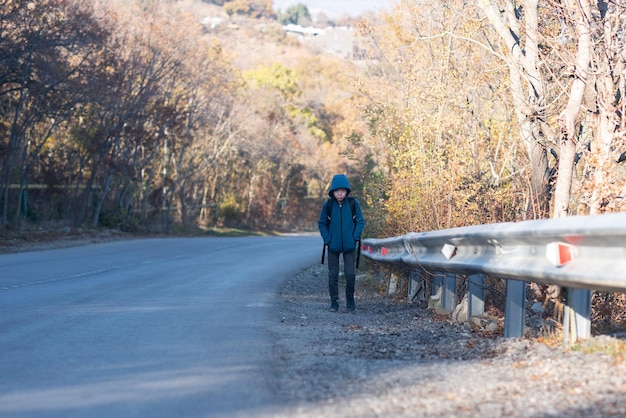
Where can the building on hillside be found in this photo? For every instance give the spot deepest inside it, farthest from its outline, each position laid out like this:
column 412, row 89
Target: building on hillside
column 338, row 40
column 302, row 31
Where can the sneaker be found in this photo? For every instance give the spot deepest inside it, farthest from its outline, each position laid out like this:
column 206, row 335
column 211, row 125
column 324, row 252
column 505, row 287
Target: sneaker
column 334, row 306
column 350, row 303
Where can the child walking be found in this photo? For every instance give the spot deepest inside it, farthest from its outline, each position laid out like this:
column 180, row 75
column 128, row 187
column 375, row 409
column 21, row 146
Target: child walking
column 341, row 223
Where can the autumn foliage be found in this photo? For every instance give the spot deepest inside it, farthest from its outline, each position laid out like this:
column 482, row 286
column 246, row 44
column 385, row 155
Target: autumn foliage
column 142, row 115
column 135, row 115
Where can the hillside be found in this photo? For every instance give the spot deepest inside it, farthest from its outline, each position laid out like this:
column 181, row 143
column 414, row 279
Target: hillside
column 260, row 41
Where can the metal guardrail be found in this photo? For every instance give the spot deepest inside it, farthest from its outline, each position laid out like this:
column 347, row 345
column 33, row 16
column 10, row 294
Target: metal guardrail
column 576, row 252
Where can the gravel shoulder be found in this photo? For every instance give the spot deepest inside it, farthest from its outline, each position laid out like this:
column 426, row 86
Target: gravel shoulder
column 390, row 358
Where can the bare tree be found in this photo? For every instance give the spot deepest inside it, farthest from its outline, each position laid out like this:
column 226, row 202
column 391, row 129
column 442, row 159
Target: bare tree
column 604, row 188
column 553, row 44
column 518, row 27
column 44, row 47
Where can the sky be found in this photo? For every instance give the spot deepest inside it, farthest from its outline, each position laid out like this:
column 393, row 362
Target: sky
column 334, row 8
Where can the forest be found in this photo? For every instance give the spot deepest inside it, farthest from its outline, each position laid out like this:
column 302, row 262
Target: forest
column 140, row 116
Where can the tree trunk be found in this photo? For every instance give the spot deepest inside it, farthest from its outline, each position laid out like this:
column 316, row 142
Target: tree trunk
column 567, row 120
column 527, row 93
column 609, row 145
column 98, row 207
column 144, row 199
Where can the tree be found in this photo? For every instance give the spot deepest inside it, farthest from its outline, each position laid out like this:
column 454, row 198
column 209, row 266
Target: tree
column 170, row 94
column 45, row 45
column 603, row 186
column 443, row 145
column 520, row 28
column 297, row 14
column 146, row 119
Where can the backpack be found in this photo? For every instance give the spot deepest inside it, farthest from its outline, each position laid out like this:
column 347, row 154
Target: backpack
column 329, row 208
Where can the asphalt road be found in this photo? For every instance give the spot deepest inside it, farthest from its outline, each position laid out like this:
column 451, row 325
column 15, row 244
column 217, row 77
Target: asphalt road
column 144, row 328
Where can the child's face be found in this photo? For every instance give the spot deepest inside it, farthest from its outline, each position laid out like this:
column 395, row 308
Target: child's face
column 340, row 194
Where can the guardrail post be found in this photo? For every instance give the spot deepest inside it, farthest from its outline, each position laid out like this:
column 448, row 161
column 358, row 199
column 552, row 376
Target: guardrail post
column 514, row 314
column 448, row 294
column 577, row 315
column 416, row 287
column 437, row 283
column 435, row 299
column 476, row 295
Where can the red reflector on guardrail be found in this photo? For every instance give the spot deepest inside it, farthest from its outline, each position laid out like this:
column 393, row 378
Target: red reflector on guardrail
column 560, row 253
column 383, row 251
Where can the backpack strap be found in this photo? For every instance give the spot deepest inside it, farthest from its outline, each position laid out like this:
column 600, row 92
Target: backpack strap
column 352, row 204
column 329, row 209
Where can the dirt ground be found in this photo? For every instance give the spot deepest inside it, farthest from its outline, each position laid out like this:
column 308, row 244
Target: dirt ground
column 391, row 358
column 38, row 239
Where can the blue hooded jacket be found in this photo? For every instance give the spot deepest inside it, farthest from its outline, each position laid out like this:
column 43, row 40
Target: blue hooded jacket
column 341, row 233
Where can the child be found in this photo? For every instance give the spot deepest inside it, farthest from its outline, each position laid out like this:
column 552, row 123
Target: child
column 341, row 224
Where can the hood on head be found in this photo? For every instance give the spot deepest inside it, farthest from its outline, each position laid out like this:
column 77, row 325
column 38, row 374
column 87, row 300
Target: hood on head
column 340, row 181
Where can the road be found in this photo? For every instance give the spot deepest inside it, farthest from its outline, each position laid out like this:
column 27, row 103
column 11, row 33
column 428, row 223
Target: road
column 144, row 328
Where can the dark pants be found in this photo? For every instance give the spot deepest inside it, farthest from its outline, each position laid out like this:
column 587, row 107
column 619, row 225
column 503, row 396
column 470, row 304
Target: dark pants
column 333, row 274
